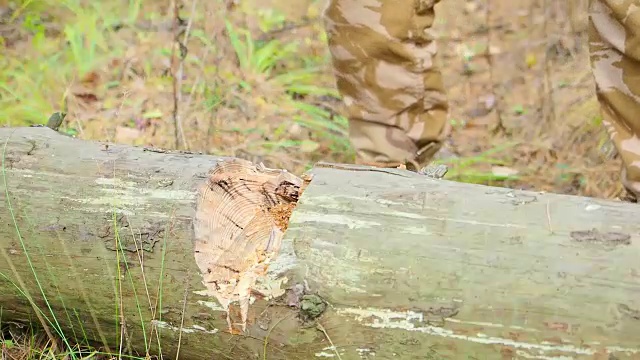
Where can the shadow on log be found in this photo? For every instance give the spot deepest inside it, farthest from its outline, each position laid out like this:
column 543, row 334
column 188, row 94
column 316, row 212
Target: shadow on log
column 192, row 255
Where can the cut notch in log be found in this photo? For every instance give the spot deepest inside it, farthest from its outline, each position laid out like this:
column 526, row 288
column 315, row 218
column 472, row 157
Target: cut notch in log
column 408, row 267
column 241, row 214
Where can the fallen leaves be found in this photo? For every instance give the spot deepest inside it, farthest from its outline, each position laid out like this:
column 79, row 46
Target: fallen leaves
column 309, row 146
column 503, row 171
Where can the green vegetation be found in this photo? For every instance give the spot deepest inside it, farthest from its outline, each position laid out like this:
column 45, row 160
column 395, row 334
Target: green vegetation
column 245, row 89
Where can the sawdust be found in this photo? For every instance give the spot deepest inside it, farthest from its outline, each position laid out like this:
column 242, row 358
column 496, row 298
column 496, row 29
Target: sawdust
column 281, row 214
column 306, row 180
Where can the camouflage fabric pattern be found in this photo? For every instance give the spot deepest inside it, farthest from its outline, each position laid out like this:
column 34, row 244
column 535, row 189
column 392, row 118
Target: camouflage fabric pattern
column 384, row 59
column 614, row 47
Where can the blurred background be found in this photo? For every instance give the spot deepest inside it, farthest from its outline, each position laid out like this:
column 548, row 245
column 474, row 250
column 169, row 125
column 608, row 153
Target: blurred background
column 252, row 79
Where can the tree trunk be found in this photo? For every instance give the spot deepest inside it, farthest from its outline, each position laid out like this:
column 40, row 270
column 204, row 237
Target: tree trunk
column 139, row 250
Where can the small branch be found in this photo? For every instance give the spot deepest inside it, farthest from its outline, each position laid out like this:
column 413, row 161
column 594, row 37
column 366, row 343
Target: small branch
column 500, row 126
column 179, row 29
column 321, row 328
column 272, row 34
column 549, row 219
column 203, row 60
column 547, row 100
column 266, row 338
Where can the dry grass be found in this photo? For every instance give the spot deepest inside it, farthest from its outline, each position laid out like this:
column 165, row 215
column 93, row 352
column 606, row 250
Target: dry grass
column 255, row 83
column 543, row 91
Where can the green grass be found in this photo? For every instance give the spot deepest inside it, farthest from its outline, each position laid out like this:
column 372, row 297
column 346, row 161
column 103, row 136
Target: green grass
column 34, row 84
column 466, row 169
column 60, row 343
column 283, row 88
column 54, row 322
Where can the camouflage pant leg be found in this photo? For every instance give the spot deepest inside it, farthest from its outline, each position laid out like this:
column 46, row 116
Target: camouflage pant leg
column 614, row 45
column 383, row 58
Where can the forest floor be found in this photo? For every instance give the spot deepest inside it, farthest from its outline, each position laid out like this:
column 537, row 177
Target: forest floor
column 256, row 83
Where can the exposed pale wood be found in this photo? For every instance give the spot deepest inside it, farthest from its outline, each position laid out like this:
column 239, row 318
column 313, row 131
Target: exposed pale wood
column 408, row 267
column 75, row 203
column 236, row 228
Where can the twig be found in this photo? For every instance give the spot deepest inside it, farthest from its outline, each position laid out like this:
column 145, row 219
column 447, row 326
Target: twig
column 184, row 309
column 266, row 338
column 184, row 42
column 272, row 34
column 549, row 218
column 500, row 126
column 174, row 82
column 547, row 101
column 319, row 325
column 177, row 73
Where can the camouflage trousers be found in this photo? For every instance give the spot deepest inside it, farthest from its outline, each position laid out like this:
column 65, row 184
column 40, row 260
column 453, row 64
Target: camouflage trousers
column 384, row 59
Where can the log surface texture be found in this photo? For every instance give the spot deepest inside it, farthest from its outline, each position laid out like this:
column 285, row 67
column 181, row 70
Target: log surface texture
column 122, row 244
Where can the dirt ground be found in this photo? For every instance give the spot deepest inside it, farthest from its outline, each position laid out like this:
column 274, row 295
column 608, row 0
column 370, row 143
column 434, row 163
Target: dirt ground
column 543, row 94
column 524, row 117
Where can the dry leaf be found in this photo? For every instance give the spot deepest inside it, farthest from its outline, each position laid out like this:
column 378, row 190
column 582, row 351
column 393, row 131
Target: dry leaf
column 308, row 146
column 503, row 171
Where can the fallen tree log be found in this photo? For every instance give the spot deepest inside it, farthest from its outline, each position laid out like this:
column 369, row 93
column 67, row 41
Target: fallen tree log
column 184, row 254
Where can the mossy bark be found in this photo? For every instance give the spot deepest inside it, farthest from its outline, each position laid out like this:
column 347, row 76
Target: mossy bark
column 99, row 235
column 373, row 265
column 417, row 268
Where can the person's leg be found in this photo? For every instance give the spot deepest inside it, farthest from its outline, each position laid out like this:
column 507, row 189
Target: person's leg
column 614, row 46
column 383, row 58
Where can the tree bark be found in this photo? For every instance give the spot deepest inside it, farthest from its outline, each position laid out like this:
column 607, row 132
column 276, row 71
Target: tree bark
column 122, row 244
